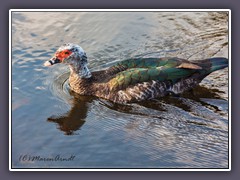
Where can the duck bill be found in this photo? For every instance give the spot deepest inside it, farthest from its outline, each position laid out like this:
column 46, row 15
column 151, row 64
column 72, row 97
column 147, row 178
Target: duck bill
column 52, row 61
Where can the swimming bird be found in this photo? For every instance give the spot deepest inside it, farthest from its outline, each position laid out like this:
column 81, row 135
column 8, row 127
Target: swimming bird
column 135, row 79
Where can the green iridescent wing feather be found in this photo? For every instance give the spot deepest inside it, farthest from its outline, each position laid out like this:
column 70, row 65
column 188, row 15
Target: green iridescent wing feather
column 162, row 69
column 147, row 62
column 140, row 75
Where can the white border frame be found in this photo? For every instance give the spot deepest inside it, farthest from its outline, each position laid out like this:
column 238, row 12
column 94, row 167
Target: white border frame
column 118, row 10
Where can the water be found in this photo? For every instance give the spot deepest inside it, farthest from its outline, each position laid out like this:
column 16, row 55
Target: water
column 190, row 131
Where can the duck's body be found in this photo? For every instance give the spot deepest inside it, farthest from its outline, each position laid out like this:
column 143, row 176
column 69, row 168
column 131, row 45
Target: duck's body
column 135, row 80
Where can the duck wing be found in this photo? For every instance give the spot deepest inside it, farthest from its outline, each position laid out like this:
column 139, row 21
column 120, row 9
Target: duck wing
column 145, row 63
column 171, row 69
column 142, row 63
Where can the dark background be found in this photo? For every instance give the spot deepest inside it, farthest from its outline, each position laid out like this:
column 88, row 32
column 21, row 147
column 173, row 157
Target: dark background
column 125, row 4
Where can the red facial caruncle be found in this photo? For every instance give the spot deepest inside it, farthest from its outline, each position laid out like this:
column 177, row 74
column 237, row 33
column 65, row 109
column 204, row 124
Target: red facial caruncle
column 63, row 54
column 58, row 57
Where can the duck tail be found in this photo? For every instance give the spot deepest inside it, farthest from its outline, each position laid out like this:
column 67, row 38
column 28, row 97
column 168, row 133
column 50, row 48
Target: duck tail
column 218, row 63
column 213, row 64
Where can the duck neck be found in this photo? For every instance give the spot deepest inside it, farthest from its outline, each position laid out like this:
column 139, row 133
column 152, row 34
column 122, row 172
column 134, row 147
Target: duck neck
column 80, row 69
column 79, row 78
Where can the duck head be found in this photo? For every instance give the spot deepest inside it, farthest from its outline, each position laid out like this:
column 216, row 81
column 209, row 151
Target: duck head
column 74, row 56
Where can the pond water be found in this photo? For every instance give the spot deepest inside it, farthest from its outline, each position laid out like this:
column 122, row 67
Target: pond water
column 49, row 123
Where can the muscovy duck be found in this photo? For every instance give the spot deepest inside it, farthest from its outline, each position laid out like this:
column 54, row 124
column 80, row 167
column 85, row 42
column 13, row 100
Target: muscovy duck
column 136, row 79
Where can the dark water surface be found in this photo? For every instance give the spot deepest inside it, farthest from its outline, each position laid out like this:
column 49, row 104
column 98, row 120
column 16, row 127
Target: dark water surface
column 190, row 131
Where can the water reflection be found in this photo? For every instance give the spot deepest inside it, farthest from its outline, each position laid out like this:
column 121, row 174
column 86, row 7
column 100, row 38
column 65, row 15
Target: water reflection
column 196, row 102
column 75, row 118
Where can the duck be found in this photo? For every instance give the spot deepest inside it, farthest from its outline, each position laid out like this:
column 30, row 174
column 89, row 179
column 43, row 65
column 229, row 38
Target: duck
column 135, row 79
